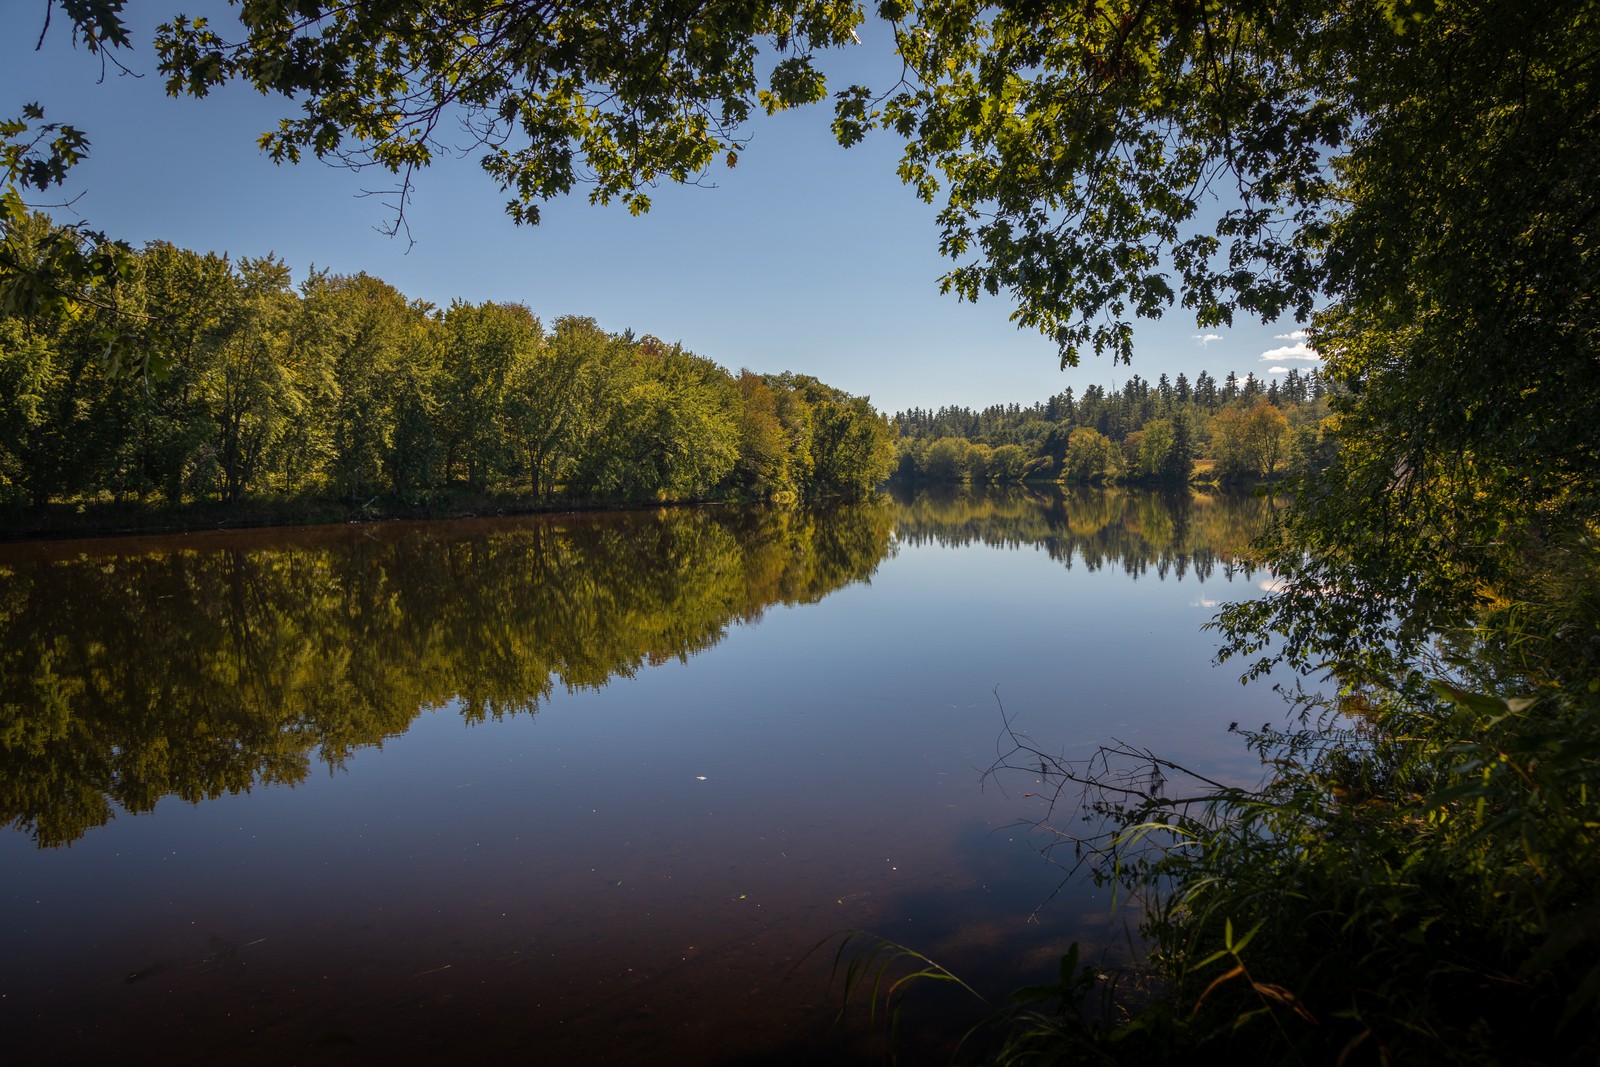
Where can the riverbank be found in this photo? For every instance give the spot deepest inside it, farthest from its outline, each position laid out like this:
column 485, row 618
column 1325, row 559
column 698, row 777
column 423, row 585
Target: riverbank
column 110, row 519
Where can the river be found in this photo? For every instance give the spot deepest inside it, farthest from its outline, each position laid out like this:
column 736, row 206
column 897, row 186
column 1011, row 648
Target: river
column 577, row 788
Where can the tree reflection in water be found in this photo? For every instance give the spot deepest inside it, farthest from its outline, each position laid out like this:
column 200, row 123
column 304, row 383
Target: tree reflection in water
column 193, row 667
column 197, row 666
column 1171, row 533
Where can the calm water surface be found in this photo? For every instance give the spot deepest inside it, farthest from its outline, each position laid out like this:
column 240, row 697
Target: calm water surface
column 572, row 789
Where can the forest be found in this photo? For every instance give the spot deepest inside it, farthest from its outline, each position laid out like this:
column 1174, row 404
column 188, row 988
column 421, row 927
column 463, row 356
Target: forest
column 1167, row 432
column 342, row 389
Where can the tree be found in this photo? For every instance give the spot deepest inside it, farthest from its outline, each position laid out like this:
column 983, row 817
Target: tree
column 978, row 457
column 1178, row 464
column 1247, row 440
column 681, row 435
column 762, row 468
column 414, row 460
column 799, row 427
column 852, row 445
column 482, row 343
column 546, row 408
column 369, row 337
column 59, row 270
column 1008, row 463
column 42, row 413
column 1465, row 331
column 1090, row 456
column 1227, row 447
column 1265, row 431
column 184, row 306
column 948, row 460
column 249, row 389
column 1230, row 388
column 627, row 94
column 1155, row 451
column 28, row 376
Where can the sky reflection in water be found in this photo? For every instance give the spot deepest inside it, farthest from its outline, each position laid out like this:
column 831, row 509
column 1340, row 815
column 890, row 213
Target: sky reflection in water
column 790, row 744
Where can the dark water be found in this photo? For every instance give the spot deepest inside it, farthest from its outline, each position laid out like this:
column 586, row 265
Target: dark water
column 575, row 789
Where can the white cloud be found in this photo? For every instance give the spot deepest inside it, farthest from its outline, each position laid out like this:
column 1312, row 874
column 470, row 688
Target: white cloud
column 1277, row 370
column 1299, row 350
column 1297, row 335
column 1204, row 339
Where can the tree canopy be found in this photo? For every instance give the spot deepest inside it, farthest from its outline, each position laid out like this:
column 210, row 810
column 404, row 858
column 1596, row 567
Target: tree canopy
column 345, row 390
column 1074, row 147
column 619, row 94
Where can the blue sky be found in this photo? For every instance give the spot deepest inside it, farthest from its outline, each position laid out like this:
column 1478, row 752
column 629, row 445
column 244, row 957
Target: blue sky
column 805, row 257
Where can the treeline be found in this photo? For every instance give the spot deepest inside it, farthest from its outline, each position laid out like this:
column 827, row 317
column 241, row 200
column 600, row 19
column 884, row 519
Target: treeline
column 272, row 654
column 342, row 388
column 1165, row 432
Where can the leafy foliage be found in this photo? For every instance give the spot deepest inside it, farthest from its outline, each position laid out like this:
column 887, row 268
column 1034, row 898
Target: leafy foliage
column 618, row 95
column 50, row 274
column 1408, row 883
column 1464, row 328
column 347, row 390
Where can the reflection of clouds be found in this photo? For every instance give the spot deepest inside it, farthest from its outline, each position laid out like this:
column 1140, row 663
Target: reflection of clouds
column 1272, row 585
column 1206, row 602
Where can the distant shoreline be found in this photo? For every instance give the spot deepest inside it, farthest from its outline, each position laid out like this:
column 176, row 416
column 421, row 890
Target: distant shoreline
column 75, row 521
